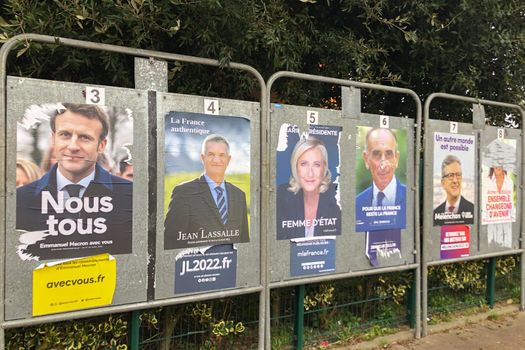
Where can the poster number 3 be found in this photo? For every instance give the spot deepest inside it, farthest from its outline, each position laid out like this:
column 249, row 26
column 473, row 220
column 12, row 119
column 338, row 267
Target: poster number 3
column 211, row 106
column 312, row 117
column 95, row 96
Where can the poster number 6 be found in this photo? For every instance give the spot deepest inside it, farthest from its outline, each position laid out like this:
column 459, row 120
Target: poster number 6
column 95, row 96
column 312, row 117
column 384, row 122
column 211, row 106
column 454, row 127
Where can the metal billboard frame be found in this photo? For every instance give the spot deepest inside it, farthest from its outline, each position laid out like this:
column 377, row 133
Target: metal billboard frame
column 426, row 224
column 46, row 39
column 268, row 188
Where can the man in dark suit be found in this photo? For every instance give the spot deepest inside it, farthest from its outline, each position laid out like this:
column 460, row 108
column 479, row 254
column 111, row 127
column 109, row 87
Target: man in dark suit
column 382, row 205
column 77, row 208
column 207, row 210
column 455, row 209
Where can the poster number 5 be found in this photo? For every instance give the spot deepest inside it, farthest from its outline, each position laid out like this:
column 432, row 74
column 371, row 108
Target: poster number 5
column 211, row 106
column 312, row 117
column 454, row 127
column 95, row 96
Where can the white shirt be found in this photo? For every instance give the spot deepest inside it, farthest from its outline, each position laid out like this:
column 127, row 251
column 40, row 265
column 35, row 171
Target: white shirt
column 62, row 182
column 389, row 191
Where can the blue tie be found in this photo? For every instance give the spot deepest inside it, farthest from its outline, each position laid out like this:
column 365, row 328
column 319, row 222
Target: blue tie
column 221, row 204
column 380, row 197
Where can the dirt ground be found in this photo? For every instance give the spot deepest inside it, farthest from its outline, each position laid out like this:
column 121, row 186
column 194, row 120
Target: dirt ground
column 500, row 329
column 505, row 332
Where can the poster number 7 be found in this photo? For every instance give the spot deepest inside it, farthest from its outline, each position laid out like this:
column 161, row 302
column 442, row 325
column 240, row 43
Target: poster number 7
column 454, row 127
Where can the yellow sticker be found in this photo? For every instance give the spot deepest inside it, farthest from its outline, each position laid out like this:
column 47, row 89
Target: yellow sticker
column 74, row 284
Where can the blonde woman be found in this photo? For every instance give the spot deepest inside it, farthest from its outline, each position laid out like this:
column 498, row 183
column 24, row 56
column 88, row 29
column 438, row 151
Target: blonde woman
column 306, row 205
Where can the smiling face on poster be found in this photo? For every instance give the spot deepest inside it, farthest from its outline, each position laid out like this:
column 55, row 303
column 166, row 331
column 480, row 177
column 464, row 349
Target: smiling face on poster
column 72, row 203
column 454, row 175
column 308, row 193
column 381, row 178
column 207, row 180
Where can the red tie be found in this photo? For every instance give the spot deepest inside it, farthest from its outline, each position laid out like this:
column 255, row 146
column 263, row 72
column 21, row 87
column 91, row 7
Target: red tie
column 451, row 209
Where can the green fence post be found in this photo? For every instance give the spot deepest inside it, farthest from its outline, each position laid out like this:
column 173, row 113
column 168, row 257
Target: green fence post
column 299, row 317
column 411, row 303
column 134, row 330
column 491, row 282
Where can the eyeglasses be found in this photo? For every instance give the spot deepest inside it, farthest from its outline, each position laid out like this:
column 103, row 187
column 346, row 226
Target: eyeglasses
column 451, row 176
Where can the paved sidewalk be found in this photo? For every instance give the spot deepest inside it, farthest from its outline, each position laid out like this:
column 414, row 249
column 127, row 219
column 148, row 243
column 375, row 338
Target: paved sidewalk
column 500, row 329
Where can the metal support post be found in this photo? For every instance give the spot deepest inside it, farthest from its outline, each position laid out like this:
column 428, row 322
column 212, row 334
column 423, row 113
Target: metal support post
column 411, row 301
column 134, row 330
column 491, row 282
column 299, row 317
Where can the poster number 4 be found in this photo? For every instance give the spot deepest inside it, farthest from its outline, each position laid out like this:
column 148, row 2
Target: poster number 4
column 95, row 96
column 454, row 127
column 312, row 117
column 211, row 106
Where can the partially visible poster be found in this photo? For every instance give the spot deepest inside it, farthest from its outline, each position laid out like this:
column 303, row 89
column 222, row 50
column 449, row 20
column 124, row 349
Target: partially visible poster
column 498, row 191
column 382, row 245
column 380, row 179
column 207, row 268
column 74, row 197
column 74, row 284
column 498, row 197
column 308, row 182
column 455, row 241
column 207, row 180
column 454, row 179
column 311, row 256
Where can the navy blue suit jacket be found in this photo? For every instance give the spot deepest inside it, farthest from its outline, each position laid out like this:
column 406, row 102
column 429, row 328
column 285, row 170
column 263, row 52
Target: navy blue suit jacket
column 193, row 218
column 365, row 223
column 290, row 207
column 117, row 237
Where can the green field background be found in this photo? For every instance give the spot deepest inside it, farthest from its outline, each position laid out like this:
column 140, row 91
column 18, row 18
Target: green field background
column 241, row 180
column 363, row 177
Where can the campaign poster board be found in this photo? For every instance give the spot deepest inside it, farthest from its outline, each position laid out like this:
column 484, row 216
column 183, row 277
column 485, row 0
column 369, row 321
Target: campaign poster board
column 179, row 161
column 454, row 179
column 380, row 202
column 353, row 252
column 60, row 145
column 201, row 153
column 500, row 167
column 307, row 179
column 124, row 155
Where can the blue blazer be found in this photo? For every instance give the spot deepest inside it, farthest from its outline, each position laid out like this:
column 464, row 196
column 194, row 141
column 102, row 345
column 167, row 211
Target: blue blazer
column 118, row 222
column 290, row 207
column 365, row 223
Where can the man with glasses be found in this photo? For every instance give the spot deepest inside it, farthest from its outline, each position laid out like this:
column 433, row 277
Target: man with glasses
column 455, row 209
column 381, row 205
